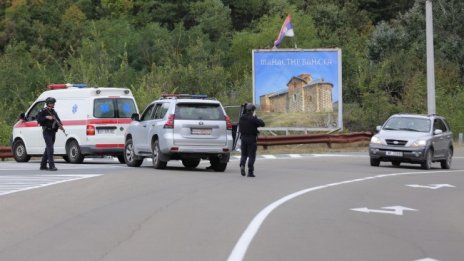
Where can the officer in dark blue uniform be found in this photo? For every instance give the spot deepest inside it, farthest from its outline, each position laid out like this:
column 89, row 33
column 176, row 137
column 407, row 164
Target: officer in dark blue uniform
column 50, row 122
column 248, row 128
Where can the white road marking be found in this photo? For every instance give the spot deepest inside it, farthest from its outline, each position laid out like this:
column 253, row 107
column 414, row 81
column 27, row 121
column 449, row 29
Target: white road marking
column 431, row 186
column 240, row 248
column 16, row 183
column 394, row 210
column 427, row 259
column 269, row 156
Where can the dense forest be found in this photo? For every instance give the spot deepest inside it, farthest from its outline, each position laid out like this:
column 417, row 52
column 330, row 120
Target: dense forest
column 205, row 46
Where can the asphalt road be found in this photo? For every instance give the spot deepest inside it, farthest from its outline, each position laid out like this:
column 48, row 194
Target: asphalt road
column 310, row 207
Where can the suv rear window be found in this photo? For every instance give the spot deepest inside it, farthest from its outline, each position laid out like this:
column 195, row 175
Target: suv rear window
column 199, row 111
column 113, row 108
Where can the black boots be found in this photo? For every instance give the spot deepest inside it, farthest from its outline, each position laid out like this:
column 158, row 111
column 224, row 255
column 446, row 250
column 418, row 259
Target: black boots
column 243, row 172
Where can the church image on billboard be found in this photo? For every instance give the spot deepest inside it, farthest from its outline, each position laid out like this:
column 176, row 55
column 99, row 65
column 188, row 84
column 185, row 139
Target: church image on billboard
column 303, row 94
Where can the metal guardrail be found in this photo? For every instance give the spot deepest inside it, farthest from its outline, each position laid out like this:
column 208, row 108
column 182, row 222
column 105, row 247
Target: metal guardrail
column 329, row 139
column 5, row 152
column 265, row 141
column 288, row 130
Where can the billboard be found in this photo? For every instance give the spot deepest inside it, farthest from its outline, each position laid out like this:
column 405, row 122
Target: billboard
column 302, row 83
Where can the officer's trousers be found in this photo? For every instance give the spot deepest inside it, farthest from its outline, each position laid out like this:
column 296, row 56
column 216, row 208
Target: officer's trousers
column 248, row 150
column 49, row 137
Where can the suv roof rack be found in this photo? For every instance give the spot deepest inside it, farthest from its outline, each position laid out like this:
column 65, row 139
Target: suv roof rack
column 185, row 96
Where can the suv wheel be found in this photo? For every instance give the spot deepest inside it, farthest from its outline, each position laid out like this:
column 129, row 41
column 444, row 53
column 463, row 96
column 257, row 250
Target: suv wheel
column 157, row 163
column 121, row 159
column 129, row 155
column 375, row 162
column 446, row 164
column 73, row 151
column 427, row 163
column 191, row 163
column 19, row 152
column 217, row 165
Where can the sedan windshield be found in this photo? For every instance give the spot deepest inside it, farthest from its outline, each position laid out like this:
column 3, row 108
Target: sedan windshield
column 408, row 124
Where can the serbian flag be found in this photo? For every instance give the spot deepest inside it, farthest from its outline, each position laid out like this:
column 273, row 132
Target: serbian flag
column 286, row 30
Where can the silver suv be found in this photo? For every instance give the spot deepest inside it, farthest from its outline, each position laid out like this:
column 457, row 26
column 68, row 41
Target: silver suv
column 180, row 127
column 413, row 138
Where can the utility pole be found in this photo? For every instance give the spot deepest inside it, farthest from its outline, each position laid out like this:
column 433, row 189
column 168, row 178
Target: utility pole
column 430, row 58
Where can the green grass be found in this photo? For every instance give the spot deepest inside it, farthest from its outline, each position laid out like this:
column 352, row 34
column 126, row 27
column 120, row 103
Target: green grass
column 297, row 119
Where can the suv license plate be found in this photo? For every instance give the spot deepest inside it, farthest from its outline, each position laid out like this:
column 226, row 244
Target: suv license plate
column 105, row 131
column 394, row 153
column 201, row 131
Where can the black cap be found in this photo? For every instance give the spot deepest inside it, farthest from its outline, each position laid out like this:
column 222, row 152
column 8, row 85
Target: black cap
column 250, row 107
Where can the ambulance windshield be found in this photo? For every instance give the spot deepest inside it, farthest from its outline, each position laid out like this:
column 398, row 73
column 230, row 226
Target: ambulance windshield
column 113, row 108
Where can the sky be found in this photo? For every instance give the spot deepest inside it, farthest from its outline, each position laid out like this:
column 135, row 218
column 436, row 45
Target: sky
column 272, row 69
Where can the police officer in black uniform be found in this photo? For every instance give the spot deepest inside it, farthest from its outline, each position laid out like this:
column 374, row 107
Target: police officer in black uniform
column 248, row 128
column 50, row 122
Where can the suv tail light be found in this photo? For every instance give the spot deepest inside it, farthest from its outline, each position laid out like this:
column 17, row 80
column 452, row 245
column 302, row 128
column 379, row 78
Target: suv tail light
column 228, row 122
column 170, row 122
column 90, row 130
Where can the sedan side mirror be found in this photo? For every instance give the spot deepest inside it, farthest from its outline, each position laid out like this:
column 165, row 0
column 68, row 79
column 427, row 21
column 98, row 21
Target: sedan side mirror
column 378, row 128
column 135, row 117
column 437, row 132
column 22, row 116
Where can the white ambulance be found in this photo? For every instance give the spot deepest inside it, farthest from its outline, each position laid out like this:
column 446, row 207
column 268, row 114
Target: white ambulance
column 95, row 120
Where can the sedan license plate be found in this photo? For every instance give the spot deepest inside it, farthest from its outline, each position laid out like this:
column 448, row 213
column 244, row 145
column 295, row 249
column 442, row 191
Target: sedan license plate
column 105, row 131
column 394, row 153
column 201, row 131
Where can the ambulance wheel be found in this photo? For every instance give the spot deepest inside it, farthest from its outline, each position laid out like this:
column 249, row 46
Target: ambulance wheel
column 19, row 151
column 131, row 159
column 73, row 152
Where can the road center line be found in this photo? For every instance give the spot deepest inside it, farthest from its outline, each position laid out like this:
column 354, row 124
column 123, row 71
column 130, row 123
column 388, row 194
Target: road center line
column 240, row 248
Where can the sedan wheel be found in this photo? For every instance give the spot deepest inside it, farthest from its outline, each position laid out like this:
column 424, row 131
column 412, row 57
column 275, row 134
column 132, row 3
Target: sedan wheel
column 375, row 162
column 446, row 164
column 427, row 164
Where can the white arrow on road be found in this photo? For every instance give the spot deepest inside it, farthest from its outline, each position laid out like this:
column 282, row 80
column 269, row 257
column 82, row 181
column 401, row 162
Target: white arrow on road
column 395, row 210
column 431, row 186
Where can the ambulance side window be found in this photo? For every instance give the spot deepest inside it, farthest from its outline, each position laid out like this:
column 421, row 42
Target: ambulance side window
column 125, row 107
column 103, row 108
column 31, row 116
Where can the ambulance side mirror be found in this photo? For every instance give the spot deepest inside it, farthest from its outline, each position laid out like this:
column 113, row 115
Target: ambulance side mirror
column 135, row 117
column 22, row 116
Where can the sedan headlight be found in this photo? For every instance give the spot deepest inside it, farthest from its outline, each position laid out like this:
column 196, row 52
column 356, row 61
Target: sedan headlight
column 376, row 140
column 419, row 143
